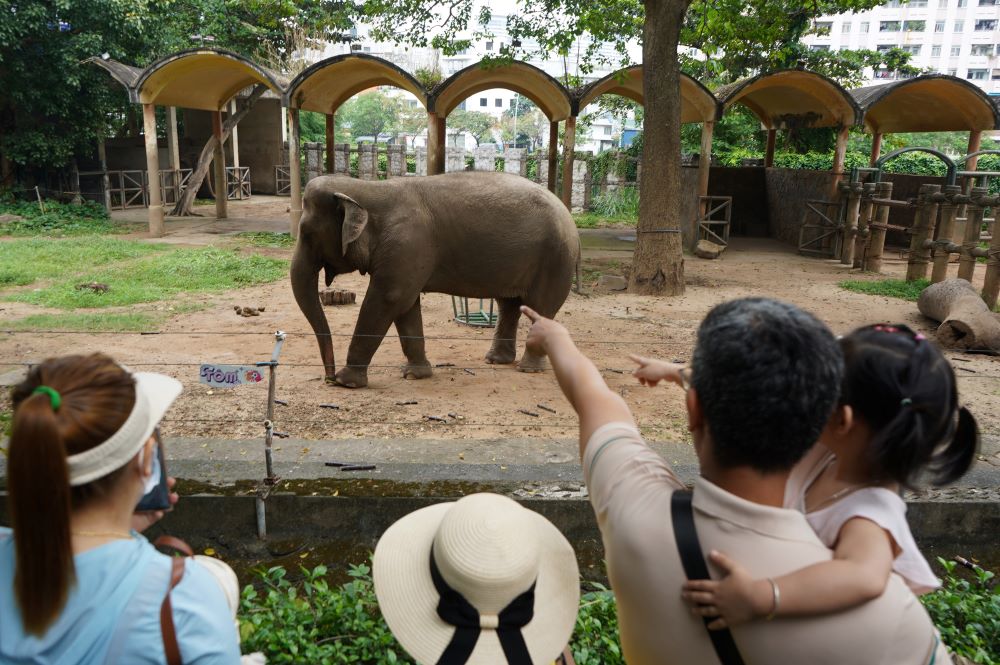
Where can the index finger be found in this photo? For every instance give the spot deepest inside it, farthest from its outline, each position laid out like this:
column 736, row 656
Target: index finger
column 530, row 313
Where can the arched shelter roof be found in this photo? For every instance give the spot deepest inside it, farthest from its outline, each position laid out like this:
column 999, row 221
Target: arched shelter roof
column 793, row 96
column 127, row 75
column 546, row 92
column 327, row 84
column 201, row 79
column 931, row 103
column 698, row 104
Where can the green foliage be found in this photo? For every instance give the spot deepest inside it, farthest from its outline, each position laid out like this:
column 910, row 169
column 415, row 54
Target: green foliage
column 58, row 219
column 892, row 288
column 595, row 638
column 161, row 276
column 428, row 77
column 315, row 623
column 621, row 203
column 24, row 261
column 477, row 123
column 370, row 114
column 967, row 612
column 267, row 239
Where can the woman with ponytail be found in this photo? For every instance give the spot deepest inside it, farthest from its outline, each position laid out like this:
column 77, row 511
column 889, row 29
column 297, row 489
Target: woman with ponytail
column 78, row 584
column 898, row 423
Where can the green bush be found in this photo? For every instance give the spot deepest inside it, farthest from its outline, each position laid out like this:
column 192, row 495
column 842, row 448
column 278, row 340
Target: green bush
column 621, row 202
column 967, row 612
column 595, row 638
column 58, row 219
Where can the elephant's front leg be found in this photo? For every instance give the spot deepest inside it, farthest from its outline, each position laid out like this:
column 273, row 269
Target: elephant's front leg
column 378, row 310
column 410, row 326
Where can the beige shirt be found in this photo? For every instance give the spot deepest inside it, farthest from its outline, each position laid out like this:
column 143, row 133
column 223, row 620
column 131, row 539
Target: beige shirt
column 630, row 488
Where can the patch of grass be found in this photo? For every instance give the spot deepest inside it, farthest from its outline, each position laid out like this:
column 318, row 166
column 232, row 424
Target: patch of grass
column 593, row 220
column 58, row 219
column 24, row 261
column 160, row 277
column 892, row 288
column 622, row 202
column 267, row 239
column 89, row 321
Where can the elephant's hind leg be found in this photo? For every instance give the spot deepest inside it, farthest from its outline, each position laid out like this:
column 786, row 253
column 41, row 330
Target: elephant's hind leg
column 410, row 326
column 504, row 349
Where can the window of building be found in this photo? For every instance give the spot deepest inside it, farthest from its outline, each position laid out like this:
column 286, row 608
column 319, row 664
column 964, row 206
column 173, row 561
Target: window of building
column 996, row 74
column 936, row 51
column 863, row 27
column 915, row 26
column 482, row 101
column 912, row 49
column 823, row 27
column 942, row 4
column 819, row 47
column 986, row 24
column 982, row 49
column 961, row 3
column 882, row 48
column 959, row 26
column 976, row 74
column 987, row 3
column 956, row 51
column 607, row 130
column 952, row 72
column 888, row 26
column 489, row 46
column 938, row 26
column 917, row 3
column 845, row 27
column 498, row 102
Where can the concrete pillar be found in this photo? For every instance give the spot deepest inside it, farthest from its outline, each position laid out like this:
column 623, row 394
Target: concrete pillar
column 395, row 160
column 330, row 143
column 970, row 234
column 705, row 158
column 295, row 178
column 851, row 225
column 876, row 245
column 421, row 159
column 219, row 167
column 153, row 171
column 485, row 158
column 876, row 148
column 435, row 145
column 579, row 187
column 975, row 142
column 342, row 158
column 544, row 174
column 514, row 161
column 234, row 135
column 314, row 157
column 946, row 231
column 839, row 154
column 173, row 146
column 442, row 132
column 772, row 135
column 569, row 145
column 922, row 230
column 553, row 163
column 367, row 161
column 454, row 159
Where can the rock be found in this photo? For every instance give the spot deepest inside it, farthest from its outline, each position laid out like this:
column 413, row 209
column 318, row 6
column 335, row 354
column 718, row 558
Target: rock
column 966, row 321
column 612, row 283
column 337, row 297
column 706, row 249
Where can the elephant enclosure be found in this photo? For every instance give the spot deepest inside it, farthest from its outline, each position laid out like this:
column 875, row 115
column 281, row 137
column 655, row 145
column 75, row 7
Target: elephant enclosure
column 470, row 399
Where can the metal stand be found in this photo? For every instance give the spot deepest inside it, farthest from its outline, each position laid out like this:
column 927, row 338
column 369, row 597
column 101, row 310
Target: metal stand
column 482, row 318
column 270, row 480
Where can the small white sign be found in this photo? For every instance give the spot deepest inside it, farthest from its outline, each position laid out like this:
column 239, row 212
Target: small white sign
column 229, row 376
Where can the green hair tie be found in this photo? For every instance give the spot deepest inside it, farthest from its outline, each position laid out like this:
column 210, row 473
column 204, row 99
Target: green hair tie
column 54, row 397
column 906, row 401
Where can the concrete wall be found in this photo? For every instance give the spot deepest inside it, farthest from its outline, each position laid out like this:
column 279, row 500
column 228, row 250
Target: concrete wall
column 787, row 193
column 748, row 188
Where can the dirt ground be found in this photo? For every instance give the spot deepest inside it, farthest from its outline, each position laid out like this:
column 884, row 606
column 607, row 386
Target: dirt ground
column 474, row 400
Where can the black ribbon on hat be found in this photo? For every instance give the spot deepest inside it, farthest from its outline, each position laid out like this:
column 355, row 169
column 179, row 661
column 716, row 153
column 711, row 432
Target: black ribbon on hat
column 455, row 610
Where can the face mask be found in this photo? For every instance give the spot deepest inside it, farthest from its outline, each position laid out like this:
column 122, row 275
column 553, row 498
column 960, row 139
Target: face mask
column 154, row 477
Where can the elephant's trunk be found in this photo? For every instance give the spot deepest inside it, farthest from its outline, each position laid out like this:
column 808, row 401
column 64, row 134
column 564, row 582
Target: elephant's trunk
column 305, row 272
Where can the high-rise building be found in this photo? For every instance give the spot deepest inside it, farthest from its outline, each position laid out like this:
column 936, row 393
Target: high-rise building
column 957, row 37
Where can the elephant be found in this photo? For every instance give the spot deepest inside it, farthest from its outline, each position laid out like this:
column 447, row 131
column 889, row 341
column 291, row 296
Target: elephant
column 472, row 234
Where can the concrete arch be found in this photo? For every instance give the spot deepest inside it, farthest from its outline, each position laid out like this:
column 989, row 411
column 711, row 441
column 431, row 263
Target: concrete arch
column 698, row 104
column 929, row 103
column 551, row 96
column 325, row 85
column 201, row 79
column 793, row 95
column 120, row 72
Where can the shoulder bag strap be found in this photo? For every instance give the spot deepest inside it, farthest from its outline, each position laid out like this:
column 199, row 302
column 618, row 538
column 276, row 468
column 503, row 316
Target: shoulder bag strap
column 170, row 646
column 693, row 560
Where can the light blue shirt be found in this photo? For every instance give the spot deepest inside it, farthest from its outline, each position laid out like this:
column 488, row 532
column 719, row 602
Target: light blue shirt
column 112, row 614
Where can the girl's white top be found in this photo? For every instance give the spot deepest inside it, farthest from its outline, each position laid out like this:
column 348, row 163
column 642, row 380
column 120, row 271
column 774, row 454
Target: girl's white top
column 877, row 504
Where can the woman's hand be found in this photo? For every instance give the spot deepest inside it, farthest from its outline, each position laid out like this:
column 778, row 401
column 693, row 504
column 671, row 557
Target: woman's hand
column 543, row 332
column 651, row 371
column 144, row 520
column 734, row 599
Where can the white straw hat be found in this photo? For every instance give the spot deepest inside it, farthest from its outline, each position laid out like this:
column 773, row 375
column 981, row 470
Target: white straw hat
column 491, row 553
column 154, row 393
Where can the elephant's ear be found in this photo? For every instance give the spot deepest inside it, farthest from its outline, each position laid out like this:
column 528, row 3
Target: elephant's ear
column 355, row 220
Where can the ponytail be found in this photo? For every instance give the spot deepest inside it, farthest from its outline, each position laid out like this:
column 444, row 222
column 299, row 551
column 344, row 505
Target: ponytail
column 39, row 500
column 951, row 463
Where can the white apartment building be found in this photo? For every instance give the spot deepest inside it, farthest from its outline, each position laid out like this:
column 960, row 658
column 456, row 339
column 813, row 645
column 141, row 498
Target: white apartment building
column 957, row 37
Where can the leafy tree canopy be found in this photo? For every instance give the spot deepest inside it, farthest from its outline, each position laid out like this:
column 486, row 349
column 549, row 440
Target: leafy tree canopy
column 370, row 114
column 476, row 123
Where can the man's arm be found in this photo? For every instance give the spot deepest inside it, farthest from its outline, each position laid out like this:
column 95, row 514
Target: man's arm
column 579, row 379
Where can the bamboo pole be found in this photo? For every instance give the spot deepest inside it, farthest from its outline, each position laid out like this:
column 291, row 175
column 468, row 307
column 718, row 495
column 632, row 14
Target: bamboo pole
column 970, row 237
column 946, row 232
column 923, row 228
column 876, row 241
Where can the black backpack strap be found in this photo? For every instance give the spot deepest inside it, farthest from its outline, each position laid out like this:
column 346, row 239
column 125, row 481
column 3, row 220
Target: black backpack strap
column 682, row 515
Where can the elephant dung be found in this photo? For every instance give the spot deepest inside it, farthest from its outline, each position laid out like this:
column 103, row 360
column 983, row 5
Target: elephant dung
column 706, row 249
column 966, row 321
column 337, row 297
column 248, row 311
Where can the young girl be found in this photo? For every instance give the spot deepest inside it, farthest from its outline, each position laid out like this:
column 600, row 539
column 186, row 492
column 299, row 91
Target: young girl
column 898, row 417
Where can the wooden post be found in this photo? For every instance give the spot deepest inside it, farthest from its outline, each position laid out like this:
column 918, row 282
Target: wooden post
column 330, row 142
column 975, row 142
column 173, row 144
column 434, row 139
column 294, row 173
column 876, row 148
column 705, row 158
column 569, row 148
column 971, row 233
column 234, row 137
column 876, row 244
column 553, row 154
column 946, row 232
column 772, row 135
column 864, row 221
column 102, row 156
column 152, row 171
column 219, row 164
column 923, row 228
column 991, row 286
column 839, row 154
column 442, row 133
column 851, row 223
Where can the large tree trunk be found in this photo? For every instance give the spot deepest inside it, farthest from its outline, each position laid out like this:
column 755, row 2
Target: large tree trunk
column 658, row 264
column 186, row 201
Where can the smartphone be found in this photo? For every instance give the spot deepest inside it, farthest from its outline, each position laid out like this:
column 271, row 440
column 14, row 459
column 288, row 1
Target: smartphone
column 157, row 498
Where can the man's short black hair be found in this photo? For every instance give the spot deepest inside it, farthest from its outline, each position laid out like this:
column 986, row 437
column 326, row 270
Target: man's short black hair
column 767, row 375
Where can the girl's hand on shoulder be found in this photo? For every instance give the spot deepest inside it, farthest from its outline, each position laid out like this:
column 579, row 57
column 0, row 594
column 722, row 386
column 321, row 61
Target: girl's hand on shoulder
column 734, row 599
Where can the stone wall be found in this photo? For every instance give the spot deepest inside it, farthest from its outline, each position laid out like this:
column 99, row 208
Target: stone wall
column 788, row 190
column 748, row 189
